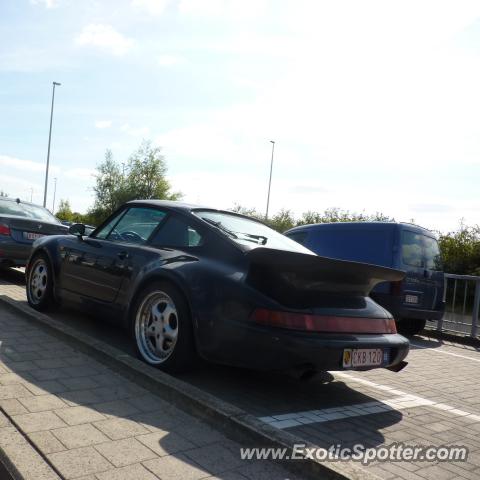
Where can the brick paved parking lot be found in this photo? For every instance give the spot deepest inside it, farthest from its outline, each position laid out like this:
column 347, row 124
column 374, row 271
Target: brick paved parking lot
column 434, row 401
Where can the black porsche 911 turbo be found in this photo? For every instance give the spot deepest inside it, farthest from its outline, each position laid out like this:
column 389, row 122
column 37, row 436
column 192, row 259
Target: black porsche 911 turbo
column 193, row 281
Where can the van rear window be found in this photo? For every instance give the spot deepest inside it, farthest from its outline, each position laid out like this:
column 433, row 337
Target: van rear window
column 420, row 251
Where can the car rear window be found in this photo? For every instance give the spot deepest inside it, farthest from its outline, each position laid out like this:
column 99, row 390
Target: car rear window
column 249, row 232
column 8, row 207
column 420, row 250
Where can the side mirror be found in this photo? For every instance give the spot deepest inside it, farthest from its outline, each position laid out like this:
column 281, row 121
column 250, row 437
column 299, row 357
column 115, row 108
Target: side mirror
column 77, row 229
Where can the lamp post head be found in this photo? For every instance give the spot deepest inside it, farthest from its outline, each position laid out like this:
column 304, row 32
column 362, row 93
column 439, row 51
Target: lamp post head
column 272, row 141
column 56, row 83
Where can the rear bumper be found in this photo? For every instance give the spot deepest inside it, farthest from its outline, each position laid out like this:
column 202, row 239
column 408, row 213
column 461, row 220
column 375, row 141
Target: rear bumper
column 399, row 310
column 13, row 254
column 265, row 348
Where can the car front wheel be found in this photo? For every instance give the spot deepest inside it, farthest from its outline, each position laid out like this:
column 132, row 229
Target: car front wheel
column 162, row 328
column 40, row 283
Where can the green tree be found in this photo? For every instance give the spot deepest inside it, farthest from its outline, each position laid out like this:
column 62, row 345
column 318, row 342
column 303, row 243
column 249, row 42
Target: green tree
column 144, row 178
column 282, row 221
column 147, row 175
column 64, row 211
column 460, row 250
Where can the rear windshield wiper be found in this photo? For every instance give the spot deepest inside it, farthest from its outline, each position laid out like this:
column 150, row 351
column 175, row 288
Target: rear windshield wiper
column 262, row 240
column 220, row 227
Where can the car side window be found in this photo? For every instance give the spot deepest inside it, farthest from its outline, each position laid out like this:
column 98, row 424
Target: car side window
column 132, row 226
column 102, row 234
column 412, row 249
column 176, row 232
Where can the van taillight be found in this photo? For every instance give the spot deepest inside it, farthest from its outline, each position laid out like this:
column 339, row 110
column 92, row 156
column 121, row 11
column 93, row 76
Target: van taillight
column 396, row 288
column 5, row 229
column 323, row 323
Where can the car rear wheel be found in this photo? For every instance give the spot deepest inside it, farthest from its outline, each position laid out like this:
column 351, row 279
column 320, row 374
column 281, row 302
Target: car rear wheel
column 410, row 326
column 162, row 328
column 40, row 283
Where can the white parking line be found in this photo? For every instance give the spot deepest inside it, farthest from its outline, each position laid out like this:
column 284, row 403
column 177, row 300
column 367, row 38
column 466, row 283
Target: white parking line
column 436, row 350
column 289, row 420
column 440, row 406
column 401, row 401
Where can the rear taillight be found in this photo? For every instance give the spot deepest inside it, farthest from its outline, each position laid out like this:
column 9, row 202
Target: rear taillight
column 396, row 288
column 323, row 323
column 5, row 229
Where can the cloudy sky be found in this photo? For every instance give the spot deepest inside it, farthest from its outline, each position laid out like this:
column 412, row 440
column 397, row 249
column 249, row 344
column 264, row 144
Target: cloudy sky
column 374, row 105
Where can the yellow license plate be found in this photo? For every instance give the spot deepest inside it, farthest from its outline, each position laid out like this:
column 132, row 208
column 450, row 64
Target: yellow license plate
column 362, row 357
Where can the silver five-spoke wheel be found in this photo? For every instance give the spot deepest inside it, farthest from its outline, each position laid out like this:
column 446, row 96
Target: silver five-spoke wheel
column 37, row 284
column 156, row 327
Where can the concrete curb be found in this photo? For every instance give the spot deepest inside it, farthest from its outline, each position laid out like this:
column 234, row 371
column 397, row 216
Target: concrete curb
column 21, row 461
column 231, row 420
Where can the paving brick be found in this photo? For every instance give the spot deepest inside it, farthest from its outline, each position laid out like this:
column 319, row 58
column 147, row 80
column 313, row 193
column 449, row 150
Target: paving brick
column 40, row 403
column 80, row 461
column 178, row 467
column 78, row 436
column 118, row 408
column 43, row 387
column 13, row 391
column 165, row 443
column 125, row 452
column 131, row 472
column 79, row 383
column 78, row 415
column 12, row 406
column 34, row 422
column 119, row 428
column 46, row 442
column 215, row 458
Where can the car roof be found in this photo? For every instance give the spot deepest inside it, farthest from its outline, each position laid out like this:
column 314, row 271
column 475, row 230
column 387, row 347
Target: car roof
column 18, row 200
column 188, row 207
column 359, row 225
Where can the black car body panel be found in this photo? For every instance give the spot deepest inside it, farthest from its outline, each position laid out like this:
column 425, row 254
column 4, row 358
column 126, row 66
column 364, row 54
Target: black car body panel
column 223, row 282
column 21, row 224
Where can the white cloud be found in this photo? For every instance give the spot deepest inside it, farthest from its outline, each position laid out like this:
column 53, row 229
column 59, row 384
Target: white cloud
column 135, row 131
column 103, row 124
column 152, row 7
column 81, row 173
column 45, row 3
column 170, row 60
column 104, row 37
column 25, row 165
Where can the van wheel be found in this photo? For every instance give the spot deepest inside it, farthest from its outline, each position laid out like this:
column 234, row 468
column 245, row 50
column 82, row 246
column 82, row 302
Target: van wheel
column 410, row 326
column 161, row 328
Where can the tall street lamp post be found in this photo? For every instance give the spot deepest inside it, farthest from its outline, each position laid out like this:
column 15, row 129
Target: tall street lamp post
column 55, row 84
column 270, row 179
column 54, row 194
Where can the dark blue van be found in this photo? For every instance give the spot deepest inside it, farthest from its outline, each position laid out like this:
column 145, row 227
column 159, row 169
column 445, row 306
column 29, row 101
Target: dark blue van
column 414, row 300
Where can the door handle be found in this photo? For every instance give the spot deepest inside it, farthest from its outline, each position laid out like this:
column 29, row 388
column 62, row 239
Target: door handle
column 122, row 255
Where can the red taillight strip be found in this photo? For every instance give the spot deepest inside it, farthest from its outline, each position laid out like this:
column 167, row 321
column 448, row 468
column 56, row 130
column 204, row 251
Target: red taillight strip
column 323, row 323
column 4, row 229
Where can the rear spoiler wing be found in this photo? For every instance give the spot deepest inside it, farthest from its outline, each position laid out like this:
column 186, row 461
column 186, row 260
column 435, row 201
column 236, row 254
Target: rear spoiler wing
column 321, row 274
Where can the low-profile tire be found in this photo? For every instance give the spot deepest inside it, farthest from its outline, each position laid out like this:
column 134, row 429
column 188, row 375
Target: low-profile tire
column 40, row 283
column 410, row 326
column 161, row 328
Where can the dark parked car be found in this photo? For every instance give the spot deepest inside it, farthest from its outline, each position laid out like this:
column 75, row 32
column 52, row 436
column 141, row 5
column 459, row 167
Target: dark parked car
column 190, row 280
column 21, row 223
column 412, row 301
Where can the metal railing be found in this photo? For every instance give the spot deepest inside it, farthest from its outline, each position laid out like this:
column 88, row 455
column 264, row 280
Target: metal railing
column 462, row 298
